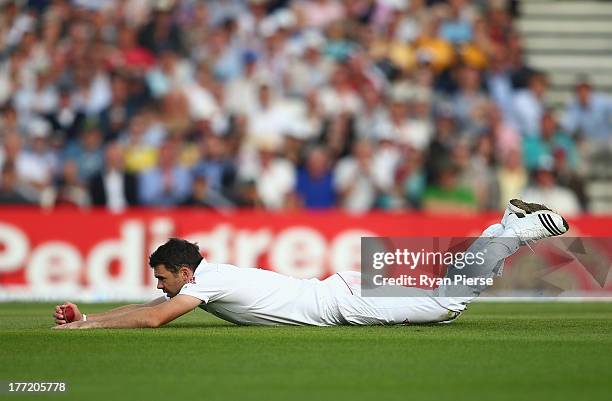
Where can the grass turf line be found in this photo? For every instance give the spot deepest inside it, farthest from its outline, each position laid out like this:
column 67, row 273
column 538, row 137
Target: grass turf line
column 519, row 351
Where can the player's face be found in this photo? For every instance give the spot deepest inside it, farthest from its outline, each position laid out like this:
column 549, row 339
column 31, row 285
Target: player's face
column 167, row 281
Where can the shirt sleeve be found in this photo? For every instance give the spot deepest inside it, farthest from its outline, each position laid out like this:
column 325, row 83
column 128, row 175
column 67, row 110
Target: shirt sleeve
column 207, row 286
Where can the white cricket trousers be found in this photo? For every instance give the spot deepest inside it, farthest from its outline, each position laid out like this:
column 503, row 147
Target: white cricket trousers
column 428, row 308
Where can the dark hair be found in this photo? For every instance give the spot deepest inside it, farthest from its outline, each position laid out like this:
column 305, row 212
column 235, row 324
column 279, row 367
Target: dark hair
column 176, row 253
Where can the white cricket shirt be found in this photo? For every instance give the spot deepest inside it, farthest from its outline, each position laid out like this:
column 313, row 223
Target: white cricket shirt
column 261, row 297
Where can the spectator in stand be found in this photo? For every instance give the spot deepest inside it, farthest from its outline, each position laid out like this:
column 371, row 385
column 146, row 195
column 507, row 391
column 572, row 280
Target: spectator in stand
column 130, row 54
column 397, row 122
column 500, row 25
column 447, row 195
column 457, row 27
column 168, row 184
column 440, row 148
column 174, row 109
column 461, row 159
column 340, row 96
column 499, row 81
column 537, row 148
column 115, row 118
column 88, row 152
column 70, row 191
column 311, row 69
column 473, row 160
column 202, row 195
column 421, row 122
column 140, row 149
column 338, row 135
column 199, row 93
column 66, row 119
column 314, row 187
column 390, row 49
column 521, row 71
column 193, row 23
column 8, row 118
column 482, row 173
column 505, row 137
column 544, row 189
column 248, row 195
column 310, row 124
column 161, row 31
column 410, row 181
column 38, row 99
column 268, row 118
column 589, row 113
column 11, row 192
column 412, row 16
column 373, row 115
column 295, row 74
column 243, row 91
column 30, row 176
column 512, row 176
column 12, row 149
column 431, row 48
column 169, row 72
column 114, row 188
column 39, row 163
column 339, row 46
column 569, row 177
column 354, row 179
column 274, row 177
column 387, row 158
column 225, row 51
column 470, row 101
column 215, row 165
column 319, row 13
column 528, row 105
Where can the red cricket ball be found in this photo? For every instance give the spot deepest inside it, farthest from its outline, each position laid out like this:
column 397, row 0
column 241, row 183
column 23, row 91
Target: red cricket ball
column 69, row 314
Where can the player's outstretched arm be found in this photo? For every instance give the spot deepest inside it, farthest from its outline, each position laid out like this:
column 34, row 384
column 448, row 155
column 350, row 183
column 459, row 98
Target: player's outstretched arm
column 60, row 318
column 150, row 317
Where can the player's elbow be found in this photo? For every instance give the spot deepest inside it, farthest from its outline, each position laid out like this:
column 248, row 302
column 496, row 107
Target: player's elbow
column 153, row 320
column 153, row 323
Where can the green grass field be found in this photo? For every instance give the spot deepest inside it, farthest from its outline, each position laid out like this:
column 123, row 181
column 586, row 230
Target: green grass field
column 512, row 352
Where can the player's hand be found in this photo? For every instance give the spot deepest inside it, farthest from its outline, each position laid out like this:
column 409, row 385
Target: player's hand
column 59, row 313
column 69, row 326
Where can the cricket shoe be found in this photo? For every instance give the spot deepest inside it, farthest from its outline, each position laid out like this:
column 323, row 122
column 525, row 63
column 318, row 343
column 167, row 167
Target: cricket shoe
column 521, row 209
column 536, row 225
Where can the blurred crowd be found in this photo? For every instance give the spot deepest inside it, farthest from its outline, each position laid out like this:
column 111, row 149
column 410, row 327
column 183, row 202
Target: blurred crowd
column 354, row 104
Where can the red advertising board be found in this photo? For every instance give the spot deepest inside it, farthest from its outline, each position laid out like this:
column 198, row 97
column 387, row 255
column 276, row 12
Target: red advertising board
column 96, row 255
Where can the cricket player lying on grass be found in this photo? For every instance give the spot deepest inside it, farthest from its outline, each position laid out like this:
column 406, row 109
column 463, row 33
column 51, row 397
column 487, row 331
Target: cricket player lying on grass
column 261, row 297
